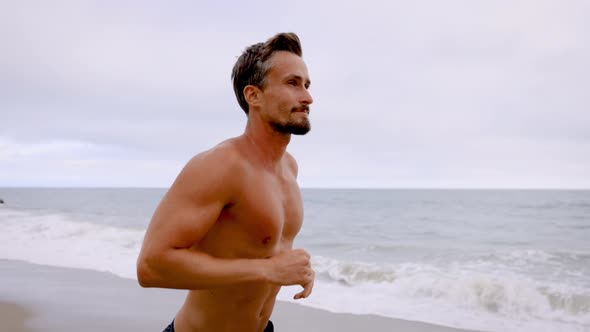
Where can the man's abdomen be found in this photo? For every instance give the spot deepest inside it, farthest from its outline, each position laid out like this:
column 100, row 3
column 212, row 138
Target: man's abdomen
column 246, row 308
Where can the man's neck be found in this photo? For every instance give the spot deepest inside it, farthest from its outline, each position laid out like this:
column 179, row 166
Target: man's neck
column 269, row 144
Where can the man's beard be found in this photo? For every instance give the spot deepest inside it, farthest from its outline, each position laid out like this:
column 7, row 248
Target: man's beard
column 293, row 127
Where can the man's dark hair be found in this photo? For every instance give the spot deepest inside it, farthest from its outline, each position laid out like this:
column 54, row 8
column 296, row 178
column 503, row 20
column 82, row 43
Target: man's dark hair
column 253, row 65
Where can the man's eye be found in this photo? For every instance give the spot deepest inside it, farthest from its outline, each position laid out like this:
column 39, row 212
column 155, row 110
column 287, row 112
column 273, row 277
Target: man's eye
column 293, row 83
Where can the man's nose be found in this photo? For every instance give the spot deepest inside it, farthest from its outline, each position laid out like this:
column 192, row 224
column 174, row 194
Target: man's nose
column 306, row 98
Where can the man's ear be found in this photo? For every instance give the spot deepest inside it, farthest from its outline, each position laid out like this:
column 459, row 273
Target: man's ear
column 253, row 95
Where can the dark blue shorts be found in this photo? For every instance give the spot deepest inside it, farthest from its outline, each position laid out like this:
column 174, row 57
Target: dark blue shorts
column 269, row 327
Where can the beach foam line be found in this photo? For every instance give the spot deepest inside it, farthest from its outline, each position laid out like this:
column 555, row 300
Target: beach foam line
column 54, row 239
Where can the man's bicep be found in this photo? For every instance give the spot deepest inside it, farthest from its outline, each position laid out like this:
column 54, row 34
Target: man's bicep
column 180, row 223
column 191, row 207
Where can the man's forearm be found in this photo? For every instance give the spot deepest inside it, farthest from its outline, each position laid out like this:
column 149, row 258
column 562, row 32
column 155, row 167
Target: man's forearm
column 189, row 269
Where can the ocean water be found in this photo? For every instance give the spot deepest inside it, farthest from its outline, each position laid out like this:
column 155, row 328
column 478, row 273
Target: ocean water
column 493, row 260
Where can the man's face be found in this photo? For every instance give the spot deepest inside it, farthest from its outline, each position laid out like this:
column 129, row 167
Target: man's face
column 286, row 96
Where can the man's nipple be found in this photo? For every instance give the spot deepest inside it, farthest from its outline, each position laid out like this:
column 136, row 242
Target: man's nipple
column 266, row 240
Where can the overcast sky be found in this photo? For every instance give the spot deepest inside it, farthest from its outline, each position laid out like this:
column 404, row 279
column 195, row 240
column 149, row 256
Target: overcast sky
column 407, row 94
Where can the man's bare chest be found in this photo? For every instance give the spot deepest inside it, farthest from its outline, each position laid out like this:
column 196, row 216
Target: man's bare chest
column 263, row 220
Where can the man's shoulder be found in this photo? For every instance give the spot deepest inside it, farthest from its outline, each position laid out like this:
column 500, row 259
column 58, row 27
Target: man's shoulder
column 213, row 172
column 224, row 158
column 227, row 152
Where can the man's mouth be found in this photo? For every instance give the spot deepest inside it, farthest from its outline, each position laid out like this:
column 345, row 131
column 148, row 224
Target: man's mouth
column 304, row 109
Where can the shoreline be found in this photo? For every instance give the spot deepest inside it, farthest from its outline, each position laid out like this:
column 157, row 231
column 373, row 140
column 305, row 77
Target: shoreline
column 47, row 298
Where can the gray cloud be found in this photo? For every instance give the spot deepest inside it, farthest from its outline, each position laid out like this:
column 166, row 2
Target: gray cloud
column 427, row 94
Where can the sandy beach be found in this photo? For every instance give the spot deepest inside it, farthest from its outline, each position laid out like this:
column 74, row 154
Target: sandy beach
column 43, row 298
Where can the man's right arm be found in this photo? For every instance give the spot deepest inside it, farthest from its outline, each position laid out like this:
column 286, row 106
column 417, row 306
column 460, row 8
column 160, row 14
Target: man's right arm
column 184, row 216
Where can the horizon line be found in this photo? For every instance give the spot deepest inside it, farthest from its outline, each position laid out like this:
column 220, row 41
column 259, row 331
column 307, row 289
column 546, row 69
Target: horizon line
column 312, row 187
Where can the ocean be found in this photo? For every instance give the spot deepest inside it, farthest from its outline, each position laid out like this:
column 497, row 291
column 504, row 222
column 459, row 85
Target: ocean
column 493, row 260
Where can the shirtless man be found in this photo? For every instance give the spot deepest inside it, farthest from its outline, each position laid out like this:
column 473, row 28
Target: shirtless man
column 225, row 229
